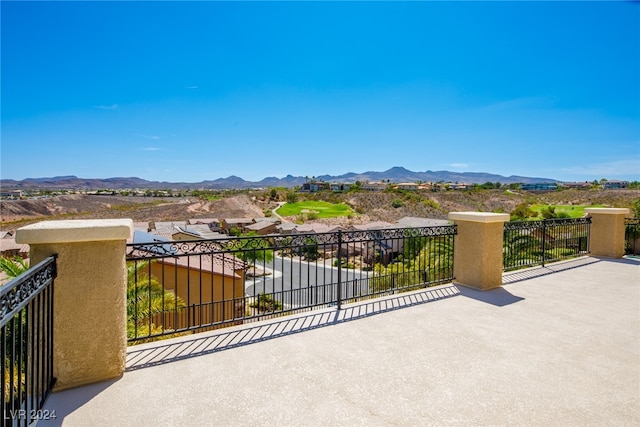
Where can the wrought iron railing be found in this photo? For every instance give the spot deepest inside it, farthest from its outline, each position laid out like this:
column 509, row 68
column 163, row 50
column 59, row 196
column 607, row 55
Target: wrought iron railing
column 632, row 236
column 26, row 321
column 530, row 243
column 182, row 286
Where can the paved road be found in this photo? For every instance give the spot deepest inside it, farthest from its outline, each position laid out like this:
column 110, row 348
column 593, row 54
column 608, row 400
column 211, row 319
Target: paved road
column 299, row 283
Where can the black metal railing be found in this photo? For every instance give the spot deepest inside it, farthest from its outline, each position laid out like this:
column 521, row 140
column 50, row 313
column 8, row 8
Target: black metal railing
column 182, row 286
column 530, row 243
column 632, row 236
column 26, row 320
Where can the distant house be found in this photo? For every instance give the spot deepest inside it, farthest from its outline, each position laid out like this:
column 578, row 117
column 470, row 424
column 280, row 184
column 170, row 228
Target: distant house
column 165, row 227
column 374, row 186
column 10, row 249
column 262, row 228
column 12, row 194
column 315, row 185
column 409, row 186
column 459, row 186
column 576, row 184
column 286, row 228
column 195, row 232
column 542, row 186
column 213, row 223
column 236, row 223
column 613, row 184
column 339, row 187
column 416, row 222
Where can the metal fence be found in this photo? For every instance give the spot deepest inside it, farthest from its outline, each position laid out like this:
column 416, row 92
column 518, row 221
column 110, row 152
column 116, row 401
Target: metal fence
column 182, row 286
column 530, row 243
column 26, row 321
column 632, row 236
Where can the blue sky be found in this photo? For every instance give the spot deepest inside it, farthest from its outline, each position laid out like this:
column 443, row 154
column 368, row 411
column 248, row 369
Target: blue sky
column 189, row 91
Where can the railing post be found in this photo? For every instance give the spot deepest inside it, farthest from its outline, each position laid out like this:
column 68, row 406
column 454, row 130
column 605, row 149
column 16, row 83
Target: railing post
column 477, row 251
column 544, row 240
column 607, row 231
column 339, row 290
column 90, row 314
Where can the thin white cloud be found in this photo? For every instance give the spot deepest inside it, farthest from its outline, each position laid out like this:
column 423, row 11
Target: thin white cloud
column 107, row 107
column 151, row 149
column 191, row 87
column 154, row 137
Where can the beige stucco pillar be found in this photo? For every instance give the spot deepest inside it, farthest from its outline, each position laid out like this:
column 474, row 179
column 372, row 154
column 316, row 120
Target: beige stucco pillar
column 478, row 249
column 607, row 231
column 90, row 315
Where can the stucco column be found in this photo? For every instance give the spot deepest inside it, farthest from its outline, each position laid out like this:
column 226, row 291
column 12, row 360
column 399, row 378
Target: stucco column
column 90, row 314
column 478, row 249
column 607, row 231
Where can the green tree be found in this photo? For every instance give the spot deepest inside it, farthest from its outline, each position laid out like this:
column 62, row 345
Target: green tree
column 292, row 197
column 635, row 208
column 548, row 212
column 522, row 211
column 252, row 250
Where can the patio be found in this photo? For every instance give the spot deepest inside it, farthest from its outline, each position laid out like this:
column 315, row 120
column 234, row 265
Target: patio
column 556, row 345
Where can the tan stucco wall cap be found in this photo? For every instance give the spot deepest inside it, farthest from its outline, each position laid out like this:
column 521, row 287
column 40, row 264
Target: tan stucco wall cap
column 78, row 230
column 479, row 216
column 610, row 211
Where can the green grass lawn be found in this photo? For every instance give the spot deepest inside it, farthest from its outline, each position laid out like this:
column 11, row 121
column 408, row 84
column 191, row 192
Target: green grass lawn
column 320, row 208
column 574, row 211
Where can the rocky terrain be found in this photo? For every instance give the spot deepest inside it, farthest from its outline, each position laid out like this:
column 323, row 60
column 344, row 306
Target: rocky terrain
column 369, row 206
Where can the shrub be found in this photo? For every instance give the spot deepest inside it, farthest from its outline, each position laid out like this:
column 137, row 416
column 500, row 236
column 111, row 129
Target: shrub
column 266, row 303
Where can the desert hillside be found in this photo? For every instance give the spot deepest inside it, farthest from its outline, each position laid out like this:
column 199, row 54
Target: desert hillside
column 370, row 206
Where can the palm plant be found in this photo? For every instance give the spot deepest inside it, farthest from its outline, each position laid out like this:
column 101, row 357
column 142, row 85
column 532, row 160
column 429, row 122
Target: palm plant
column 146, row 297
column 13, row 267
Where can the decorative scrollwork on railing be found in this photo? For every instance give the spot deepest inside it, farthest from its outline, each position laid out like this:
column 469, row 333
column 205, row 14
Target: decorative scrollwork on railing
column 553, row 222
column 277, row 242
column 16, row 294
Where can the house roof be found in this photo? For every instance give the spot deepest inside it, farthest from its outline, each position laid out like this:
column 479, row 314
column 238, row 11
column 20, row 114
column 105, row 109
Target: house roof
column 222, row 264
column 194, row 221
column 260, row 225
column 201, row 231
column 168, row 226
column 315, row 227
column 373, row 225
column 238, row 220
column 411, row 221
column 9, row 244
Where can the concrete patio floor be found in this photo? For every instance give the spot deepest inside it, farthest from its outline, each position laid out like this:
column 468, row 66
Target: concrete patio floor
column 554, row 346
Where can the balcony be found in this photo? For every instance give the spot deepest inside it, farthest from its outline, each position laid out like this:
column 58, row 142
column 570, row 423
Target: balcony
column 552, row 344
column 555, row 345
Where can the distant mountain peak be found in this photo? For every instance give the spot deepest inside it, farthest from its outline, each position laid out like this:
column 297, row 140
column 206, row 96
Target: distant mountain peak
column 395, row 174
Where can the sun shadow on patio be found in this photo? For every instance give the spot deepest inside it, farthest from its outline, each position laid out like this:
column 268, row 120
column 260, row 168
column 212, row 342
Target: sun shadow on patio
column 206, row 343
column 533, row 272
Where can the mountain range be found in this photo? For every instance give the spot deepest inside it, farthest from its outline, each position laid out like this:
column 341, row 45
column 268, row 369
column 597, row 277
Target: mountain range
column 394, row 175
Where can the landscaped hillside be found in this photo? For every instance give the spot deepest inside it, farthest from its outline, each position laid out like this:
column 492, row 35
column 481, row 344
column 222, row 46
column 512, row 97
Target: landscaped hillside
column 368, row 206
